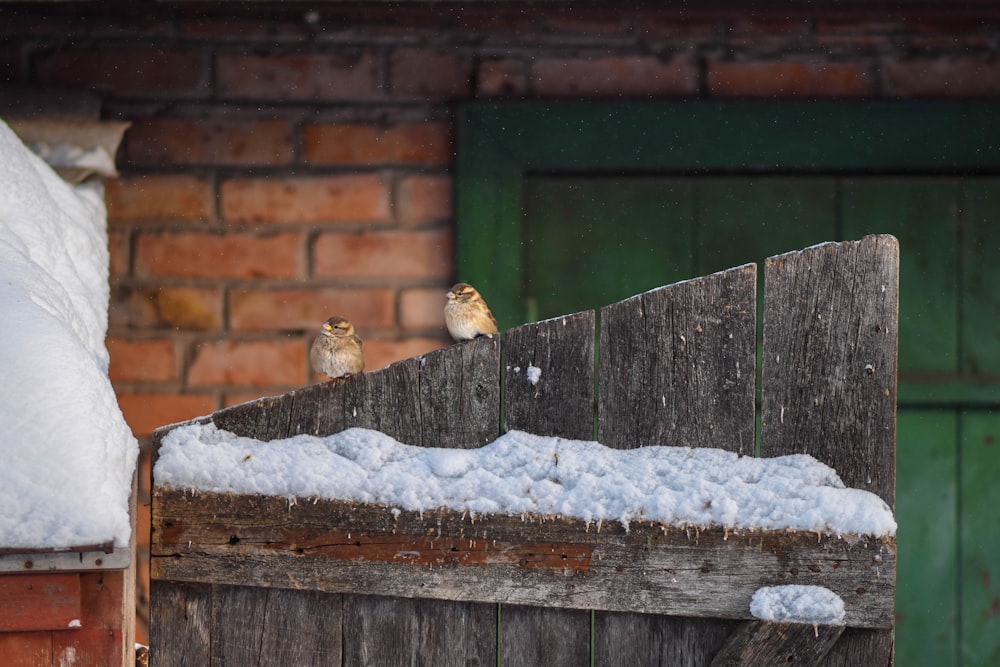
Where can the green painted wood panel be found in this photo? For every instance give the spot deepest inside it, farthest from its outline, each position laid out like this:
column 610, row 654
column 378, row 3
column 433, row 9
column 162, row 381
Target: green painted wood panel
column 981, row 277
column 591, row 242
column 911, row 169
column 749, row 219
column 980, row 538
column 923, row 214
column 927, row 602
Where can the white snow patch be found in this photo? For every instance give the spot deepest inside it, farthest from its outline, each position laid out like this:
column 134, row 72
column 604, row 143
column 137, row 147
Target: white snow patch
column 68, row 456
column 798, row 604
column 534, row 374
column 523, row 473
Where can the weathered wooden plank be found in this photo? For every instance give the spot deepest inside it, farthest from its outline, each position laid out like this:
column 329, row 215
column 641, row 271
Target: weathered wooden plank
column 339, row 547
column 180, row 631
column 829, row 361
column 549, row 390
column 763, row 644
column 416, row 628
column 544, row 636
column 549, row 377
column 829, row 376
column 262, row 626
column 401, row 401
column 264, row 419
column 861, row 647
column 668, row 640
column 460, row 394
column 677, row 365
column 49, row 601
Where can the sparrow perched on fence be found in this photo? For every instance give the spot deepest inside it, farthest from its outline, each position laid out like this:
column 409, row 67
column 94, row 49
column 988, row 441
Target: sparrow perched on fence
column 337, row 350
column 466, row 314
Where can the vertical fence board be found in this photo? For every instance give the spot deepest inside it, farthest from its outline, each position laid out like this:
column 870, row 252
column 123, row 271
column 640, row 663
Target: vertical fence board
column 181, row 633
column 549, row 377
column 558, row 402
column 262, row 626
column 829, row 362
column 263, row 419
column 829, row 377
column 391, row 400
column 460, row 394
column 627, row 640
column 677, row 367
column 400, row 631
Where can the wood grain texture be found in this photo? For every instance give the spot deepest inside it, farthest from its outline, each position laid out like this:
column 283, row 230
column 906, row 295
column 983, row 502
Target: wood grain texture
column 763, row 644
column 180, row 635
column 424, row 632
column 829, row 377
column 829, row 362
column 460, row 394
column 658, row 639
column 677, row 365
column 267, row 541
column 259, row 626
column 558, row 401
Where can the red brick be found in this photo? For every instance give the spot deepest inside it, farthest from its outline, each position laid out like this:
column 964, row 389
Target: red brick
column 343, row 75
column 306, row 309
column 150, row 72
column 159, row 198
column 145, row 412
column 380, row 353
column 168, row 141
column 787, row 78
column 502, row 78
column 198, row 309
column 614, row 75
column 352, row 143
column 387, row 254
column 422, row 309
column 428, row 75
column 771, row 26
column 654, row 26
column 142, row 360
column 258, row 363
column 423, row 199
column 233, row 255
column 940, row 77
column 590, row 21
column 349, row 198
column 120, row 258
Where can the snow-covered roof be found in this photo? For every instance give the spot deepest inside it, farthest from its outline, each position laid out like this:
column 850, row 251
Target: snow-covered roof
column 67, row 454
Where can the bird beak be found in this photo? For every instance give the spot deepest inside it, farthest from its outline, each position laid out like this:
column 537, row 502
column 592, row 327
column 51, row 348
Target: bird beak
column 327, row 327
column 451, row 295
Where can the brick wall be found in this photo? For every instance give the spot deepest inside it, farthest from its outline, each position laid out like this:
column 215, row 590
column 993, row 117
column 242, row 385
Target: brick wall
column 285, row 165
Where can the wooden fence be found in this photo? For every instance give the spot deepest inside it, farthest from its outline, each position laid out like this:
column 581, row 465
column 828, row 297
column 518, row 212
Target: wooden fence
column 240, row 580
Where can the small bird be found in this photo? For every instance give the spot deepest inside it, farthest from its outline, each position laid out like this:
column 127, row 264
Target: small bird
column 337, row 350
column 466, row 314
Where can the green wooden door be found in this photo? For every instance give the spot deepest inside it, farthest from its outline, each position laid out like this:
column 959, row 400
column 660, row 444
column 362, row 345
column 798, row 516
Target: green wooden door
column 540, row 238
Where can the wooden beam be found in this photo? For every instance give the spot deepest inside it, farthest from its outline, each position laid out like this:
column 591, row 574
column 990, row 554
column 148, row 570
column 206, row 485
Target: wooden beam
column 336, row 546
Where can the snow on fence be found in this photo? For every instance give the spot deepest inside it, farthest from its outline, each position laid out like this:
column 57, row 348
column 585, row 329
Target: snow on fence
column 272, row 577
